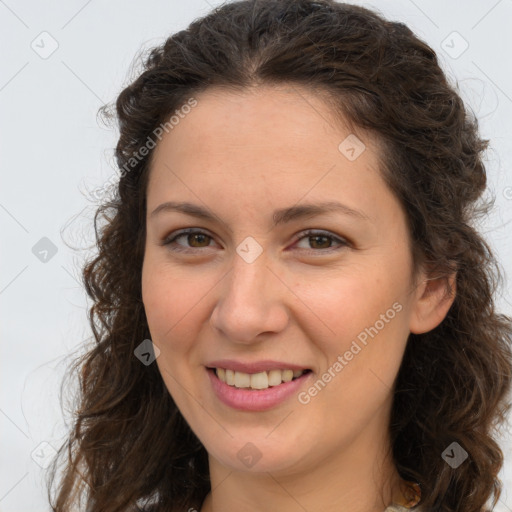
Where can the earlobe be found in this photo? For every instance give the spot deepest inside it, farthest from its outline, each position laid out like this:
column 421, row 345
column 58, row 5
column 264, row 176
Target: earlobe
column 434, row 297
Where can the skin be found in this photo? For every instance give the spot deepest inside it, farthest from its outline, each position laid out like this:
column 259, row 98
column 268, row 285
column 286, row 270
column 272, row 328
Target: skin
column 243, row 155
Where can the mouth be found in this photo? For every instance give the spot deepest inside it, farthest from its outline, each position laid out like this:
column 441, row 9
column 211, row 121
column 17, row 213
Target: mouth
column 257, row 381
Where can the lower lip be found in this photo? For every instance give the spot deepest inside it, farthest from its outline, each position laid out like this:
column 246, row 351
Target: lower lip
column 245, row 399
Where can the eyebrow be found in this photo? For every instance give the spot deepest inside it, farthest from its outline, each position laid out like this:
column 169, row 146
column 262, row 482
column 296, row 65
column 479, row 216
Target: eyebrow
column 281, row 216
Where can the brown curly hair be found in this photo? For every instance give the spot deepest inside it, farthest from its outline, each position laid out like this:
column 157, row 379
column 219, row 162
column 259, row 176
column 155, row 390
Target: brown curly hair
column 453, row 381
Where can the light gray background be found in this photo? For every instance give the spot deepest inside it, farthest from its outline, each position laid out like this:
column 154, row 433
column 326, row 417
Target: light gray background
column 53, row 152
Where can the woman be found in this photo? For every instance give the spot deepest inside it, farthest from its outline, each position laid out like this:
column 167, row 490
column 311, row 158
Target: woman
column 291, row 308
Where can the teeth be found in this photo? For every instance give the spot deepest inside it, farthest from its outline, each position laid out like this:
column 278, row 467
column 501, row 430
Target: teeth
column 287, row 375
column 274, row 377
column 230, row 377
column 242, row 380
column 221, row 373
column 261, row 380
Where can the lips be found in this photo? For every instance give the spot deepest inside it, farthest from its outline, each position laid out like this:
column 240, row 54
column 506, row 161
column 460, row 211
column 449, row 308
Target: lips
column 255, row 386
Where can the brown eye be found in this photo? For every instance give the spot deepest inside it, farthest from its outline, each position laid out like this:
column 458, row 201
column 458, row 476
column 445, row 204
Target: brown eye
column 320, row 240
column 194, row 239
column 200, row 238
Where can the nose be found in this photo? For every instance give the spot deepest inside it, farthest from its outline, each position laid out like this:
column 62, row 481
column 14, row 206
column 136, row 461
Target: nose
column 251, row 302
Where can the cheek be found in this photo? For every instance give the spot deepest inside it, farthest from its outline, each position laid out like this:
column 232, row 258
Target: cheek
column 351, row 302
column 364, row 318
column 169, row 303
column 362, row 354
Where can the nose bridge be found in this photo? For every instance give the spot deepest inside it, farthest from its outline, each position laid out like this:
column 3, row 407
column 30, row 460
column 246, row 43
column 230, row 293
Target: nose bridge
column 251, row 299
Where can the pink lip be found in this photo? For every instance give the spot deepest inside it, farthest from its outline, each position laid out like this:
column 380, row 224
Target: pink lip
column 255, row 400
column 255, row 367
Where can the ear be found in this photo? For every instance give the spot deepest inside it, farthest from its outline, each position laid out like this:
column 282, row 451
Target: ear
column 433, row 298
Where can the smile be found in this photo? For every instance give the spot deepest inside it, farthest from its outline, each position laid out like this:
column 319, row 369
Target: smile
column 256, row 381
column 257, row 391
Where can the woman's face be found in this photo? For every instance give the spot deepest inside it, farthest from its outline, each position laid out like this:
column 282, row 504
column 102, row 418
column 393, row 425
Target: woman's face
column 250, row 291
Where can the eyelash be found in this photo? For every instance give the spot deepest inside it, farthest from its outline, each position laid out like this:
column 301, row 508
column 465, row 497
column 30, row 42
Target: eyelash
column 309, row 233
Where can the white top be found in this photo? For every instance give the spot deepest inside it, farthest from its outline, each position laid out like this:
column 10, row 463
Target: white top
column 399, row 508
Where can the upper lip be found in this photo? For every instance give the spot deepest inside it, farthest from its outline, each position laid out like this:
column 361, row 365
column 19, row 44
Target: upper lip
column 255, row 366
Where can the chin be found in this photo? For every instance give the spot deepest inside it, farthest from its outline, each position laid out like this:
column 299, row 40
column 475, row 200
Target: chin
column 258, row 454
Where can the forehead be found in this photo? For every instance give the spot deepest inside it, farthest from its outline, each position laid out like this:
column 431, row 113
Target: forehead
column 277, row 117
column 272, row 139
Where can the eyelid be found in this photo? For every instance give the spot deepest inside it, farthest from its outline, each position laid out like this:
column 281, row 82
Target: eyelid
column 306, row 233
column 167, row 240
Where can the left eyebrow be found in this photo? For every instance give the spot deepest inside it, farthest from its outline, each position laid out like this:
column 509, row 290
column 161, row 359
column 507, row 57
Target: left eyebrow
column 281, row 216
column 312, row 210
